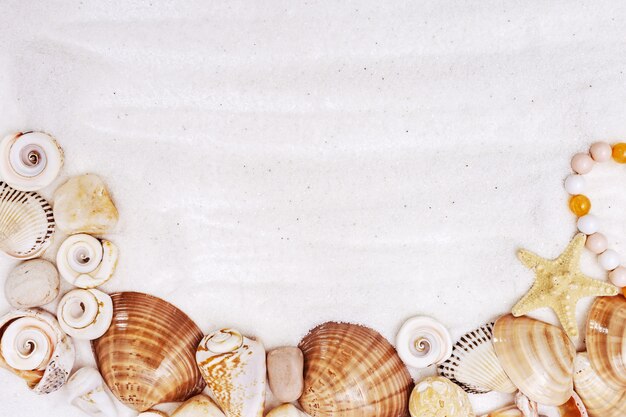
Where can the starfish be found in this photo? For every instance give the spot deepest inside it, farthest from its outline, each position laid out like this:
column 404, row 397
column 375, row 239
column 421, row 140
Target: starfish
column 559, row 284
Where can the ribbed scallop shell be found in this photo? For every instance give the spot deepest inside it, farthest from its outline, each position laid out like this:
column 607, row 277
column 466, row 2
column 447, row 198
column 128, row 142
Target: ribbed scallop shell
column 352, row 371
column 474, row 365
column 26, row 223
column 599, row 398
column 147, row 356
column 537, row 357
column 606, row 340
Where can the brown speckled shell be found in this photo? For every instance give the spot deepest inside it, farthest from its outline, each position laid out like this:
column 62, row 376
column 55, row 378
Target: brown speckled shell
column 147, row 356
column 352, row 371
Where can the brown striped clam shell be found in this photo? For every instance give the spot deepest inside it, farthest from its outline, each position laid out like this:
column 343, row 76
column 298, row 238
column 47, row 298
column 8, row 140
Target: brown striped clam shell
column 147, row 356
column 352, row 371
column 599, row 398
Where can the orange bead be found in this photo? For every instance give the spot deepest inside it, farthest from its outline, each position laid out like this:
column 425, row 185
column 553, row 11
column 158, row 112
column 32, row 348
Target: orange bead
column 624, row 291
column 619, row 153
column 580, row 205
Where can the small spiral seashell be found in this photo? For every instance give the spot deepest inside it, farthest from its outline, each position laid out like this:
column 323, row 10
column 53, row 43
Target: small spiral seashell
column 85, row 314
column 423, row 341
column 223, row 341
column 27, row 344
column 85, row 261
column 30, row 161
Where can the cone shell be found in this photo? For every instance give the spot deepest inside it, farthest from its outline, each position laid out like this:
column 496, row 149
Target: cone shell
column 599, row 398
column 606, row 340
column 26, row 223
column 537, row 357
column 147, row 356
column 352, row 371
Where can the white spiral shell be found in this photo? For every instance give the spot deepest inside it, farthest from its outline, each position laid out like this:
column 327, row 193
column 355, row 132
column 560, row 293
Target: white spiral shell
column 423, row 341
column 87, row 391
column 30, row 161
column 85, row 314
column 85, row 261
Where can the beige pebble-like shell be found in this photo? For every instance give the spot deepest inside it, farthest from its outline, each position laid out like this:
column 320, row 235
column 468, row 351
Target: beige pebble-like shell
column 439, row 397
column 606, row 340
column 147, row 356
column 286, row 410
column 352, row 371
column 32, row 283
column 599, row 398
column 538, row 358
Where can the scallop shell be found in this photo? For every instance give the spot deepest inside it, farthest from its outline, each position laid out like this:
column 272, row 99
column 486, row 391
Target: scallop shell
column 147, row 355
column 233, row 367
column 33, row 346
column 32, row 284
column 423, row 341
column 439, row 397
column 30, row 161
column 352, row 371
column 538, row 357
column 87, row 392
column 599, row 398
column 26, row 223
column 286, row 410
column 474, row 365
column 85, row 314
column 86, row 262
column 606, row 340
column 200, row 405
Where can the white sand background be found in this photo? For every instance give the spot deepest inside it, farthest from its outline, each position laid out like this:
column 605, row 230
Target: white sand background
column 278, row 164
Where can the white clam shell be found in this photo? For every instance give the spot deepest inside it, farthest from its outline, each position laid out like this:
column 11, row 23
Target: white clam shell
column 39, row 351
column 87, row 391
column 85, row 314
column 600, row 399
column 32, row 284
column 86, row 262
column 30, row 161
column 200, row 405
column 26, row 223
column 423, row 341
column 233, row 367
column 286, row 410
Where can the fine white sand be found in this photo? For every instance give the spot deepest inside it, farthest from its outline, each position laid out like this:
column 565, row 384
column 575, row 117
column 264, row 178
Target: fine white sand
column 278, row 164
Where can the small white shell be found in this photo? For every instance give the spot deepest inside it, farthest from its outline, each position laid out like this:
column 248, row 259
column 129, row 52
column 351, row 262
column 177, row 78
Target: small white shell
column 85, row 314
column 32, row 284
column 87, row 392
column 286, row 410
column 85, row 261
column 198, row 406
column 30, row 161
column 423, row 341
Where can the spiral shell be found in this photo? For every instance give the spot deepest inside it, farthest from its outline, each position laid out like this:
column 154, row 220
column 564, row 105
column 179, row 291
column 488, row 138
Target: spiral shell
column 86, row 262
column 423, row 341
column 200, row 405
column 26, row 223
column 147, row 355
column 352, row 371
column 233, row 367
column 600, row 399
column 30, row 161
column 33, row 347
column 87, row 392
column 439, row 397
column 32, row 284
column 85, row 314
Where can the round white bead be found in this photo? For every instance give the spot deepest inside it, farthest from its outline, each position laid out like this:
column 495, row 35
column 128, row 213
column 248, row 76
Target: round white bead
column 575, row 184
column 618, row 276
column 588, row 224
column 609, row 259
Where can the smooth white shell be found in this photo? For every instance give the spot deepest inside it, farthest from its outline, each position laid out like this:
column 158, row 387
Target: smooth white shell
column 85, row 314
column 32, row 284
column 198, row 406
column 423, row 341
column 286, row 410
column 86, row 262
column 30, row 161
column 86, row 390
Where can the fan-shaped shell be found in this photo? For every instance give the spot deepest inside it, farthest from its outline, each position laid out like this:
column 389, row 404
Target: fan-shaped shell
column 439, row 397
column 599, row 398
column 423, row 341
column 474, row 365
column 352, row 371
column 537, row 357
column 26, row 223
column 147, row 356
column 606, row 340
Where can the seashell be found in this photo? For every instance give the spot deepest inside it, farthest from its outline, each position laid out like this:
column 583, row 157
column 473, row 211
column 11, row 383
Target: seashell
column 599, row 398
column 83, row 205
column 147, row 355
column 200, row 405
column 286, row 410
column 606, row 340
column 87, row 392
column 86, row 262
column 509, row 411
column 233, row 367
column 352, row 371
column 33, row 347
column 474, row 365
column 439, row 397
column 32, row 284
column 423, row 341
column 85, row 314
column 26, row 223
column 537, row 357
column 285, row 373
column 30, row 161
column 152, row 413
